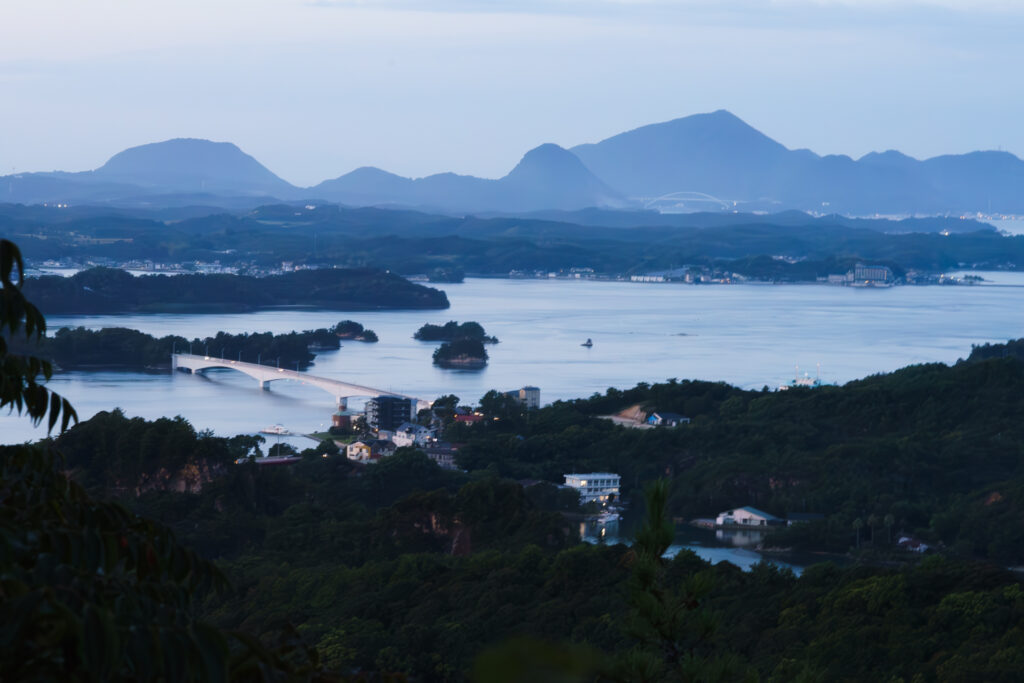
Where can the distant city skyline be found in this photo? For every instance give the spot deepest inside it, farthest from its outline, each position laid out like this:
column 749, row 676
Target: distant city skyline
column 315, row 89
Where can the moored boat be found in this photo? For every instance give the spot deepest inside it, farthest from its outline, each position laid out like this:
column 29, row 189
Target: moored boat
column 275, row 429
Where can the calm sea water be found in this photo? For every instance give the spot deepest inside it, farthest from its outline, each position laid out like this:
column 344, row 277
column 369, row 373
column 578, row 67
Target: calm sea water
column 747, row 335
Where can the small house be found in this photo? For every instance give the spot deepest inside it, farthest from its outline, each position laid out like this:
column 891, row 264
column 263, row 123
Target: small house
column 747, row 516
column 358, row 450
column 442, row 453
column 662, row 419
column 409, row 434
column 912, row 544
column 369, row 451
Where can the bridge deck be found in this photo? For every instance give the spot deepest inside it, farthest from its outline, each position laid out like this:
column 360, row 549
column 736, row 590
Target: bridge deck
column 267, row 373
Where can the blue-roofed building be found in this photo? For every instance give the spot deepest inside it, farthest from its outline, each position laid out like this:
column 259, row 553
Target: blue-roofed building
column 747, row 516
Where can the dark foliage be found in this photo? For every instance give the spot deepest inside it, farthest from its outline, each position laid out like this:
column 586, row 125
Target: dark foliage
column 108, row 290
column 453, row 331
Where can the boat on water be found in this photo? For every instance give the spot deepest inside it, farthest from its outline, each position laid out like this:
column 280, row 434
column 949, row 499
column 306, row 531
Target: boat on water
column 805, row 381
column 587, row 343
column 275, row 429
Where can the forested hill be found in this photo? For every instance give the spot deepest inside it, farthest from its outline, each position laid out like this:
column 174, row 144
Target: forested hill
column 408, row 242
column 404, row 567
column 108, row 290
column 938, row 448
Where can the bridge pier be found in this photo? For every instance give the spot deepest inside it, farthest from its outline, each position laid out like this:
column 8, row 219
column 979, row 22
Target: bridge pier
column 264, row 385
column 342, row 402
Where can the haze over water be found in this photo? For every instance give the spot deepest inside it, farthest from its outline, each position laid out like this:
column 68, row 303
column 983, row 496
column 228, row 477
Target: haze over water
column 747, row 335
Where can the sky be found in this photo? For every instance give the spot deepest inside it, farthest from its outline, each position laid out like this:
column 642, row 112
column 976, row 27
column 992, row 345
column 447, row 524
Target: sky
column 316, row 88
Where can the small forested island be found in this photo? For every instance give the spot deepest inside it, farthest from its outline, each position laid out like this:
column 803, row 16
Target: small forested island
column 110, row 290
column 350, row 329
column 126, row 349
column 466, row 354
column 463, row 345
column 452, row 331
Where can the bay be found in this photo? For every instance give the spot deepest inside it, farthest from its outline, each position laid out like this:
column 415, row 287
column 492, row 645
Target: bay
column 748, row 335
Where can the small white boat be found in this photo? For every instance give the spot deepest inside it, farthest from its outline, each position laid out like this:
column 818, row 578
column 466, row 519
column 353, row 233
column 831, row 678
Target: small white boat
column 276, row 429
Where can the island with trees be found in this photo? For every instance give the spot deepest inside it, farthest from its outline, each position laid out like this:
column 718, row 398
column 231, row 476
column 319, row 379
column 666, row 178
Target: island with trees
column 452, row 331
column 350, row 329
column 461, row 354
column 121, row 348
column 462, row 344
column 110, row 290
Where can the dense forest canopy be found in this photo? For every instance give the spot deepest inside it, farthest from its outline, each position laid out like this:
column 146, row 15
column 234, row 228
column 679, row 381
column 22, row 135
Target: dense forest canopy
column 123, row 348
column 329, row 569
column 109, row 290
column 410, row 242
column 452, row 331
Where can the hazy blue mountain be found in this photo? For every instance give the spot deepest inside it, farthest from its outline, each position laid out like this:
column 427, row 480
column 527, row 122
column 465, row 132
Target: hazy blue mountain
column 706, row 162
column 187, row 165
column 717, row 154
column 157, row 174
column 547, row 177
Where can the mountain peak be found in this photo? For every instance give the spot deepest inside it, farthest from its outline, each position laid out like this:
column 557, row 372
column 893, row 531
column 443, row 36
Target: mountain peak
column 548, row 158
column 699, row 151
column 191, row 164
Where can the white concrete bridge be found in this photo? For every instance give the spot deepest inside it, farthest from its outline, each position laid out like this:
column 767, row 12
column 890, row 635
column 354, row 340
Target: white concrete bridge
column 265, row 374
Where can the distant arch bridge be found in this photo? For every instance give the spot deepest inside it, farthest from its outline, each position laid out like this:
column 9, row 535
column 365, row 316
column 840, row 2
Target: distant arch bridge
column 265, row 374
column 685, row 199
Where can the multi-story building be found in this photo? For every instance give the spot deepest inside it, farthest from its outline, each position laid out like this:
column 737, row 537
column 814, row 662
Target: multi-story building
column 529, row 397
column 594, row 487
column 389, row 412
column 872, row 275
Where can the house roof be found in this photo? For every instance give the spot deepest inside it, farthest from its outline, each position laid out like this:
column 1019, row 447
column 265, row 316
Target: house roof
column 753, row 511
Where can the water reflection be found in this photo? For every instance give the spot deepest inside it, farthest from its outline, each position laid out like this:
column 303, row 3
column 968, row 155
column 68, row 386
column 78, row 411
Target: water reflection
column 740, row 538
column 722, row 545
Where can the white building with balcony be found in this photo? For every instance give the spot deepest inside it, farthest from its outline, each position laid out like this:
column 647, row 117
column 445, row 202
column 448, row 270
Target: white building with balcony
column 594, row 487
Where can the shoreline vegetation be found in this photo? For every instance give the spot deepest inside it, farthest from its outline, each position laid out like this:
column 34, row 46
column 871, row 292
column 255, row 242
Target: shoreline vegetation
column 373, row 537
column 462, row 345
column 110, row 290
column 121, row 348
column 786, row 247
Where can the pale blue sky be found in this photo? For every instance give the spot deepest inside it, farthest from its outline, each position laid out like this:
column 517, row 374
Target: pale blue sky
column 315, row 89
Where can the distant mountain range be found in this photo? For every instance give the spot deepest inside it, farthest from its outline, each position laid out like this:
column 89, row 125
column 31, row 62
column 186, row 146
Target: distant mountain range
column 703, row 162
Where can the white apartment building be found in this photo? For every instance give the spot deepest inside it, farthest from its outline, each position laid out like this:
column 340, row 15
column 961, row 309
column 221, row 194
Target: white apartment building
column 594, row 487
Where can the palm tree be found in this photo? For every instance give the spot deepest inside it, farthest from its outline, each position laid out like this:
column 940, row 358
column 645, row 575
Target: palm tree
column 888, row 521
column 872, row 523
